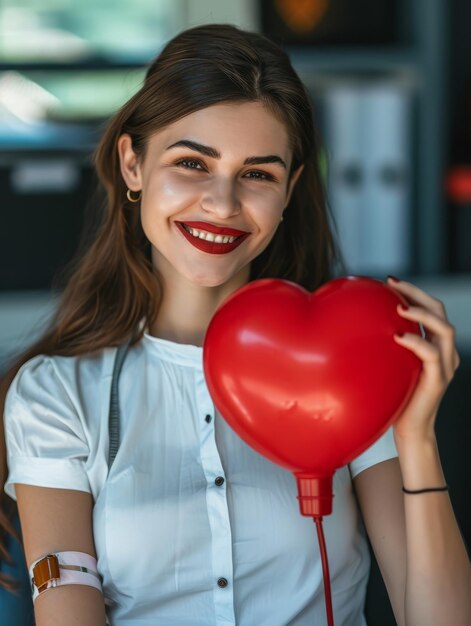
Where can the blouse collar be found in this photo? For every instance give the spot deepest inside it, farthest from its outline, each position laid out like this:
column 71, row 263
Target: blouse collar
column 181, row 353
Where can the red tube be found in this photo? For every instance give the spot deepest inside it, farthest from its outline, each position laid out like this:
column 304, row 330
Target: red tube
column 325, row 571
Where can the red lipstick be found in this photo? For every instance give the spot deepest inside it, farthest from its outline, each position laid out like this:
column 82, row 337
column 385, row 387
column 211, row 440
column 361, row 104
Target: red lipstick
column 211, row 246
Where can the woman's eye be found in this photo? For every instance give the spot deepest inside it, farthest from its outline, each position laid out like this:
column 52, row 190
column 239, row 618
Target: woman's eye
column 195, row 164
column 190, row 164
column 260, row 175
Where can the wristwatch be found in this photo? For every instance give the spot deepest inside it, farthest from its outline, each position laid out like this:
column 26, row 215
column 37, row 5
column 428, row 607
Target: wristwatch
column 63, row 568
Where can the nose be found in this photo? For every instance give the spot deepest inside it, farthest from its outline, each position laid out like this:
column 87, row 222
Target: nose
column 221, row 199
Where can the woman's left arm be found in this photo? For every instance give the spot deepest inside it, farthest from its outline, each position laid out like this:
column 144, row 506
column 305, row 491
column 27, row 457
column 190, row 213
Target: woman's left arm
column 436, row 582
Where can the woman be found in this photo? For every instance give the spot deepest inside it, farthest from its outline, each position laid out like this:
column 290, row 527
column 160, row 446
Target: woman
column 212, row 180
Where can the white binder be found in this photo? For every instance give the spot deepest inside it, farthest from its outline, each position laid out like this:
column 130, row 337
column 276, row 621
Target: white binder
column 387, row 210
column 367, row 136
column 343, row 138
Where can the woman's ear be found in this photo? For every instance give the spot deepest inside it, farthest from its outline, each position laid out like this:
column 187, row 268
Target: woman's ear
column 292, row 182
column 129, row 163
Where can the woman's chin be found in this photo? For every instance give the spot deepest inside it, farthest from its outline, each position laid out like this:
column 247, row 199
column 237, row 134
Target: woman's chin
column 209, row 281
column 216, row 279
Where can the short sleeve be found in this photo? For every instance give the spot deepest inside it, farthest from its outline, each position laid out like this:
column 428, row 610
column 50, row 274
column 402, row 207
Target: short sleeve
column 383, row 449
column 45, row 441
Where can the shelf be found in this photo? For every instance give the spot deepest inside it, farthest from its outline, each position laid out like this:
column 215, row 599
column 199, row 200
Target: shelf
column 71, row 138
column 318, row 58
column 61, row 66
column 361, row 60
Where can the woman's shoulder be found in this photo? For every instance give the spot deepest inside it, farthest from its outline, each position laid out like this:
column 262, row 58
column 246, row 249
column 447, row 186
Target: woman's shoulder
column 52, row 373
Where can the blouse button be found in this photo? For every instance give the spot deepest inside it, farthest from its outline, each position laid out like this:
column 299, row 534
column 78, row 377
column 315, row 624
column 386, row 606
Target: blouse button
column 208, row 418
column 219, row 481
column 222, row 582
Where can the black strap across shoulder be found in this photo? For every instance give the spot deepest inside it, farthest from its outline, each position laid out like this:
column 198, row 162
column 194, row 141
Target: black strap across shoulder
column 113, row 421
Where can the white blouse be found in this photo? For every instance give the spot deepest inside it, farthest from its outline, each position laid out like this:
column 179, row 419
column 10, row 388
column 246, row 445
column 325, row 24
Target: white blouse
column 176, row 544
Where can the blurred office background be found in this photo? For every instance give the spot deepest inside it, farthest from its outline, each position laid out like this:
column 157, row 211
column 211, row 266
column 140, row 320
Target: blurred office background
column 390, row 82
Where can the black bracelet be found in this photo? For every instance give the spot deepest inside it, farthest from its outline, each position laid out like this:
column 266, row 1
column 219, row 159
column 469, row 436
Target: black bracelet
column 445, row 488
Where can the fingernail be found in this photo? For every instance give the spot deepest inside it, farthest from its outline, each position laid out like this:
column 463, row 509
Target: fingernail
column 403, row 307
column 393, row 278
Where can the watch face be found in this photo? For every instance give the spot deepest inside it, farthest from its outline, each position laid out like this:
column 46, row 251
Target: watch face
column 45, row 571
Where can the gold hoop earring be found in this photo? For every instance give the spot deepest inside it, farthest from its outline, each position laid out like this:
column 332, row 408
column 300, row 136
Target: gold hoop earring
column 130, row 198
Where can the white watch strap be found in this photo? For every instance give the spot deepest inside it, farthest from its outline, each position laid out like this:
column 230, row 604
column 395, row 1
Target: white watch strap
column 75, row 568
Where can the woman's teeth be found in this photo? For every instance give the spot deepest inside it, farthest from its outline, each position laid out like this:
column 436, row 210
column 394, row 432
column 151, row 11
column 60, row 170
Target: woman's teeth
column 201, row 234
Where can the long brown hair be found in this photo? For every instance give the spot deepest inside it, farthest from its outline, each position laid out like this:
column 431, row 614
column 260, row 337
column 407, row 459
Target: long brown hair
column 111, row 286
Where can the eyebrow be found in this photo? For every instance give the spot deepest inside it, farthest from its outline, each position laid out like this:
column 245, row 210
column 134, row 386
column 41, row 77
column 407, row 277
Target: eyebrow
column 214, row 154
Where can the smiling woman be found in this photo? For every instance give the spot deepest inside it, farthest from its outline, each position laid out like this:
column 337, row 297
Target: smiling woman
column 212, row 180
column 229, row 191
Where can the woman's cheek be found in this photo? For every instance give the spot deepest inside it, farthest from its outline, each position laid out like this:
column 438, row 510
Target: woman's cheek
column 266, row 199
column 267, row 212
column 172, row 194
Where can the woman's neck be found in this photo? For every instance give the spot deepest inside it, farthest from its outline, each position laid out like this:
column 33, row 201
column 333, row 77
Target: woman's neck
column 186, row 308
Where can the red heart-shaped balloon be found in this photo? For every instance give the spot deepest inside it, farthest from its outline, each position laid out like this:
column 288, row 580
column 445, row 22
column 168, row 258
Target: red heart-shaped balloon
column 310, row 380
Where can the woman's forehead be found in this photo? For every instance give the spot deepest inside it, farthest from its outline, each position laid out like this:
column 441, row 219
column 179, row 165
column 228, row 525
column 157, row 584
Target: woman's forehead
column 229, row 127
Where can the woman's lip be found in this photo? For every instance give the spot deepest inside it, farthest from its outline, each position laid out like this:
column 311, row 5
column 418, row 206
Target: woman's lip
column 217, row 230
column 211, row 247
